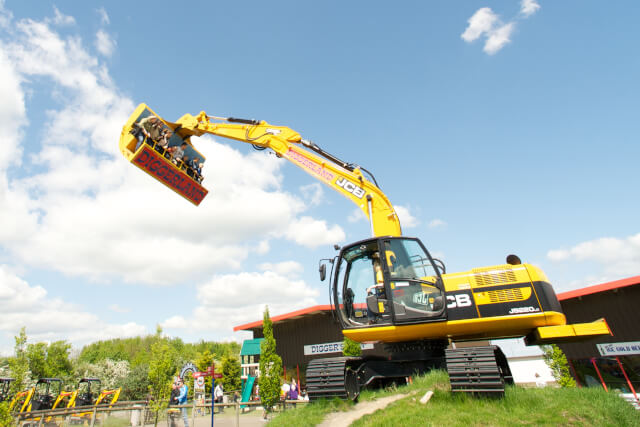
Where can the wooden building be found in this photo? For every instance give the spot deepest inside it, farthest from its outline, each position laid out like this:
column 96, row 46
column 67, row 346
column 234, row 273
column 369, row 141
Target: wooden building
column 612, row 362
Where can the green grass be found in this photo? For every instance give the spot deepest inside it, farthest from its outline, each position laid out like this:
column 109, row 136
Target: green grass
column 520, row 406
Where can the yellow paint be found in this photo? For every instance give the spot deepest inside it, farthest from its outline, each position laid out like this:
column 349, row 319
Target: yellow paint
column 488, row 327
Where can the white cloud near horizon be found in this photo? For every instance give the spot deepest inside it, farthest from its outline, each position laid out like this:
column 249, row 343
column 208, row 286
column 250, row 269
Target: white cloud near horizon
column 51, row 319
column 486, row 23
column 619, row 257
column 231, row 300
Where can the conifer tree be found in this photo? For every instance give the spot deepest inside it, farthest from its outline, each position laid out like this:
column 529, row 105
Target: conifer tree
column 351, row 348
column 160, row 376
column 270, row 366
column 19, row 364
column 557, row 362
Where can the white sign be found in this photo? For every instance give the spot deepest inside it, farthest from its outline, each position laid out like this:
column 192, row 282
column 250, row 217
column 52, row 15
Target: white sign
column 619, row 348
column 330, row 347
column 198, row 384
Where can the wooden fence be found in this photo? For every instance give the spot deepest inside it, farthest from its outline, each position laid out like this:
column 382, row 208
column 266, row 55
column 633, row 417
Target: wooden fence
column 91, row 414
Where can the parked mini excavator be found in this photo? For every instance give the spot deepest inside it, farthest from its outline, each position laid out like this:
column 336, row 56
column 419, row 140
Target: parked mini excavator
column 387, row 288
column 5, row 385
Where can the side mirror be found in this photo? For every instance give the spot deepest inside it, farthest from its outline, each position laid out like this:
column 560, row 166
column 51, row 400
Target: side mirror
column 323, row 272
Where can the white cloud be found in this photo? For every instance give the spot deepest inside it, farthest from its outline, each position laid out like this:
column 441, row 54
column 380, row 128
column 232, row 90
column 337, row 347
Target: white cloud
column 86, row 212
column 116, row 308
column 234, row 299
column 175, row 322
column 480, row 23
column 498, row 38
column 312, row 233
column 104, row 43
column 436, row 223
column 61, row 19
column 47, row 318
column 486, row 23
column 285, row 268
column 619, row 257
column 104, row 16
column 529, row 7
column 357, row 215
column 313, row 193
column 406, row 219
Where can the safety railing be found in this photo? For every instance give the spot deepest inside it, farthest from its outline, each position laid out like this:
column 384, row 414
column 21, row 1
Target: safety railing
column 138, row 413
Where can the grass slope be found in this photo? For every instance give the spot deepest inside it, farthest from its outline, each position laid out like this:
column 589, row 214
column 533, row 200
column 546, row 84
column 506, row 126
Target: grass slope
column 521, row 406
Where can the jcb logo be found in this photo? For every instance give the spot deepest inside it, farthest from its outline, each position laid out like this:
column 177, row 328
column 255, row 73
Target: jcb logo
column 460, row 300
column 350, row 187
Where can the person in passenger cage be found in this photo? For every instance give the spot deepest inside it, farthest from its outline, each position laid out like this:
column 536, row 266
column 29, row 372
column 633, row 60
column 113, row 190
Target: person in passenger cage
column 197, row 169
column 149, row 128
column 177, row 152
column 163, row 142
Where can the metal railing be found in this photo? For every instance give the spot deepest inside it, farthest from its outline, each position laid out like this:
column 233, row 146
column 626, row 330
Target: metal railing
column 92, row 415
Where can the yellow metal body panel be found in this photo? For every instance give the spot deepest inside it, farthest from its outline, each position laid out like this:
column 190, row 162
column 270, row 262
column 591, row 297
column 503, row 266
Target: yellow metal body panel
column 569, row 333
column 489, row 327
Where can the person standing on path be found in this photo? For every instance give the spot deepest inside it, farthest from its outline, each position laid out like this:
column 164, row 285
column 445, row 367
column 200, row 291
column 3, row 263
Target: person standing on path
column 182, row 400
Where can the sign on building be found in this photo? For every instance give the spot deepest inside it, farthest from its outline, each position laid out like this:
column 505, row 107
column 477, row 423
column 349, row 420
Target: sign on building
column 619, row 348
column 329, row 347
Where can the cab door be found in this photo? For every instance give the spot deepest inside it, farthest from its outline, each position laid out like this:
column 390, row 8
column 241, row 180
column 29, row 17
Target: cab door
column 416, row 292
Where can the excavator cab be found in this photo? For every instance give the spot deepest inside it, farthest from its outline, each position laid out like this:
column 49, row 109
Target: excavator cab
column 387, row 281
column 88, row 391
column 46, row 392
column 5, row 385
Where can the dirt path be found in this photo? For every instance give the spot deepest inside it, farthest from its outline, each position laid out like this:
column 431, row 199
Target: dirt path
column 344, row 419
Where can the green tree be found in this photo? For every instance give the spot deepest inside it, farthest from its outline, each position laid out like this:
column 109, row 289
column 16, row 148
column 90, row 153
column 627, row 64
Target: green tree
column 5, row 415
column 270, row 366
column 58, row 363
column 231, row 373
column 161, row 371
column 19, row 364
column 37, row 355
column 136, row 385
column 351, row 348
column 557, row 362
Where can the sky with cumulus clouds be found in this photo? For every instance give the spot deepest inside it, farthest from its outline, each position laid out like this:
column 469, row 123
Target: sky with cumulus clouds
column 494, row 128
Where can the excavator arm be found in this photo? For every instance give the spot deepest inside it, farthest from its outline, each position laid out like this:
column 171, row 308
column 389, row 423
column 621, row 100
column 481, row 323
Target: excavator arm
column 344, row 178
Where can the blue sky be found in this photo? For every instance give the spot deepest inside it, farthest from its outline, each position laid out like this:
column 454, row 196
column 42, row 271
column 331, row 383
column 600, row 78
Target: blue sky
column 494, row 127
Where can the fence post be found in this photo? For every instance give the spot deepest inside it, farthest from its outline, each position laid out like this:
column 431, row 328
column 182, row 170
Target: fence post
column 193, row 413
column 41, row 419
column 237, row 414
column 93, row 417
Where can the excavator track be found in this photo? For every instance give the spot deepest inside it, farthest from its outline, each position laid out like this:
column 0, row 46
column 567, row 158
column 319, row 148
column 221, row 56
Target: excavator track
column 332, row 377
column 478, row 370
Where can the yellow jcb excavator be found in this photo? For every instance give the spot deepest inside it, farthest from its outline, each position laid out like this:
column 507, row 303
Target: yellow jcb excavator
column 387, row 288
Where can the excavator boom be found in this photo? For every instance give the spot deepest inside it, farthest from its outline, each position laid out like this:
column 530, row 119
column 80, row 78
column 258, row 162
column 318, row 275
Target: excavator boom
column 344, row 178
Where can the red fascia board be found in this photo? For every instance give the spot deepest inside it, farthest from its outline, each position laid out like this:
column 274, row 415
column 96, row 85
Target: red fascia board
column 285, row 316
column 609, row 286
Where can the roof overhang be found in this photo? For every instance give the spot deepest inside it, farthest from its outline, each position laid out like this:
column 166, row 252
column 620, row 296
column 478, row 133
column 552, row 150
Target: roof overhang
column 590, row 290
column 316, row 309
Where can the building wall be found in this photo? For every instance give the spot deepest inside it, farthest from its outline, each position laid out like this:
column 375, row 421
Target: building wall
column 317, row 328
column 619, row 307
